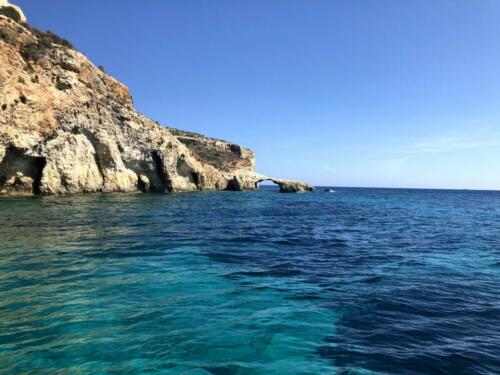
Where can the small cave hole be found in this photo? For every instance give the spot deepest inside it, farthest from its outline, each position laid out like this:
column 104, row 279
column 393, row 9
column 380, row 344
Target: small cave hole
column 158, row 165
column 195, row 177
column 233, row 185
column 141, row 185
column 39, row 165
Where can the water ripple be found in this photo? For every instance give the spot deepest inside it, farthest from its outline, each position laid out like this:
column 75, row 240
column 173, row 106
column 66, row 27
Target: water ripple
column 364, row 281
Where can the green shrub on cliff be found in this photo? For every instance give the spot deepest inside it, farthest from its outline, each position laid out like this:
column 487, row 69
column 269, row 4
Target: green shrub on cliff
column 46, row 39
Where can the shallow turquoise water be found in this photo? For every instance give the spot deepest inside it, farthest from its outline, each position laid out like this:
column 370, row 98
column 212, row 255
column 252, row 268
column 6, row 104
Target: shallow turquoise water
column 362, row 281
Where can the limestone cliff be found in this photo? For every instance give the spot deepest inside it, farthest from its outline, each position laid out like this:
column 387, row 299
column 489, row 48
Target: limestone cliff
column 68, row 127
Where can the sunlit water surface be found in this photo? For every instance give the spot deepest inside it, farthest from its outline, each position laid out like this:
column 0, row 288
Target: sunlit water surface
column 361, row 281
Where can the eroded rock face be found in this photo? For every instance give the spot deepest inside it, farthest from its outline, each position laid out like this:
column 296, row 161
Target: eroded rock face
column 68, row 127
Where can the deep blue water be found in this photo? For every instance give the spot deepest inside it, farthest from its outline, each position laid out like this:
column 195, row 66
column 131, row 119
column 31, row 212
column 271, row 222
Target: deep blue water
column 361, row 281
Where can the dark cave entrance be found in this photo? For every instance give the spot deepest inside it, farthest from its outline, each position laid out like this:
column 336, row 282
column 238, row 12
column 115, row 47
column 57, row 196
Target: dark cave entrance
column 39, row 165
column 16, row 162
column 160, row 172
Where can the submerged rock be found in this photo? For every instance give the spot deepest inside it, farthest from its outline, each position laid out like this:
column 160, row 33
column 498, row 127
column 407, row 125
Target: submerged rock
column 68, row 127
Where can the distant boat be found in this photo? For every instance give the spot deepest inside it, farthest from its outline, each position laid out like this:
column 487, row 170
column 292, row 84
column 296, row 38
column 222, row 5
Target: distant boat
column 329, row 190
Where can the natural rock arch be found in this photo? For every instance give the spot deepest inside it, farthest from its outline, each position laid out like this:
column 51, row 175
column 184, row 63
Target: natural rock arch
column 287, row 186
column 252, row 181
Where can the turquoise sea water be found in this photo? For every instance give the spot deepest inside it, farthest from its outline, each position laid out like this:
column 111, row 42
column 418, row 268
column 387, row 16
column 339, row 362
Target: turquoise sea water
column 361, row 281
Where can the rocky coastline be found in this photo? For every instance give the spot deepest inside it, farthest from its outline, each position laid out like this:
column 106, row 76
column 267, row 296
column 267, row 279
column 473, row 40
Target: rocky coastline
column 67, row 127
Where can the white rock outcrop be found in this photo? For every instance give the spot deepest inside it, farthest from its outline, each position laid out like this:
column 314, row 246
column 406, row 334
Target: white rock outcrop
column 12, row 9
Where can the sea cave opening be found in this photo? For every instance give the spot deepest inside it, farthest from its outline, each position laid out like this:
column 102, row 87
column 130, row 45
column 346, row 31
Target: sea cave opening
column 17, row 163
column 267, row 185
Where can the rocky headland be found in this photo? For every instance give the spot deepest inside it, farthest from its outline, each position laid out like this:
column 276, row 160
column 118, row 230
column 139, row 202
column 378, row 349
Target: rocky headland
column 66, row 126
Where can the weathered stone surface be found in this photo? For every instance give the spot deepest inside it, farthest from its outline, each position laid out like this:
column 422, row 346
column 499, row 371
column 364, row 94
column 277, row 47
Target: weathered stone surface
column 68, row 127
column 289, row 186
column 12, row 11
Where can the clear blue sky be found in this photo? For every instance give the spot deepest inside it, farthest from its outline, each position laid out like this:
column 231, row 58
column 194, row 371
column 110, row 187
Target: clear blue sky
column 335, row 92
